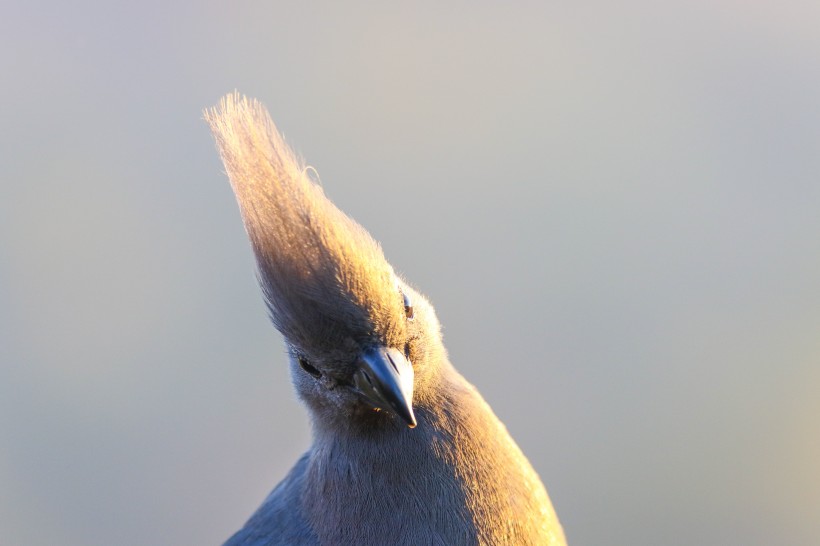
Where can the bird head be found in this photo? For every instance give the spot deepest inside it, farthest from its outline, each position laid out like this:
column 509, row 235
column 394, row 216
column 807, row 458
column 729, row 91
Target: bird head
column 360, row 339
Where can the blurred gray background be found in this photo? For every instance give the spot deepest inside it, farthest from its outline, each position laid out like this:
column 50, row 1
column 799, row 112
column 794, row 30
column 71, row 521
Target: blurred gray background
column 615, row 207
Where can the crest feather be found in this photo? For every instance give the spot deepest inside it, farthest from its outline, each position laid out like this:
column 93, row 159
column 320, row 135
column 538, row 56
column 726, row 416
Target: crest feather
column 320, row 271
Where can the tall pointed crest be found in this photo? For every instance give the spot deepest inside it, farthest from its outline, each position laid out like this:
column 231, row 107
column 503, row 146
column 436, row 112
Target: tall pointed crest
column 324, row 278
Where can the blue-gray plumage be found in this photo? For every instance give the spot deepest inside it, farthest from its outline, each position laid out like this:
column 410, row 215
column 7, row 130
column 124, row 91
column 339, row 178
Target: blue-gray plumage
column 405, row 451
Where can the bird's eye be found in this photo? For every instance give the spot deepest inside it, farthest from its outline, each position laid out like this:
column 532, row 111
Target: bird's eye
column 408, row 307
column 308, row 368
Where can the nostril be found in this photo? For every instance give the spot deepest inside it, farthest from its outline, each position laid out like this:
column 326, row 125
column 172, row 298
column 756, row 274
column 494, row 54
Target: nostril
column 392, row 362
column 308, row 368
column 407, row 350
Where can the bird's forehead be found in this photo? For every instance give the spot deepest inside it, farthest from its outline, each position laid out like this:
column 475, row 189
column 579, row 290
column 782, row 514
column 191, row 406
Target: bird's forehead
column 336, row 325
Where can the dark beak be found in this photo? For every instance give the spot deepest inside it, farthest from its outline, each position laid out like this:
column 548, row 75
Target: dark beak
column 385, row 379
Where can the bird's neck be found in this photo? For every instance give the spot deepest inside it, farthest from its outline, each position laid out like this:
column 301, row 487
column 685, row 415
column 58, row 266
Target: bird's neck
column 393, row 472
column 457, row 467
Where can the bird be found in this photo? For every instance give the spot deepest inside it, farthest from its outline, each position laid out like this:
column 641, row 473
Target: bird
column 404, row 450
